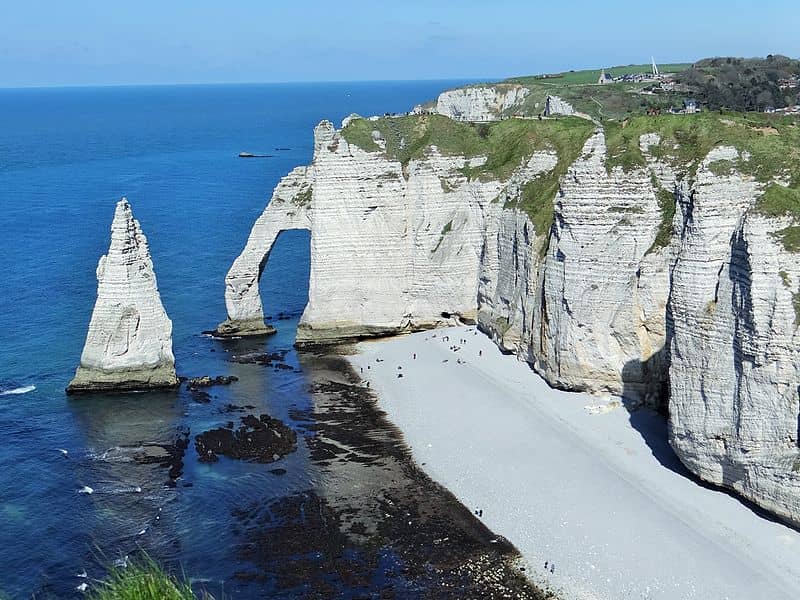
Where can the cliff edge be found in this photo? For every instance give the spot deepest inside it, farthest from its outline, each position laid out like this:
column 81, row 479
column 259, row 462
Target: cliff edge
column 652, row 258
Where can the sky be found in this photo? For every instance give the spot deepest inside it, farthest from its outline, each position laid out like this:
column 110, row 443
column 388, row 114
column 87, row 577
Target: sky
column 114, row 42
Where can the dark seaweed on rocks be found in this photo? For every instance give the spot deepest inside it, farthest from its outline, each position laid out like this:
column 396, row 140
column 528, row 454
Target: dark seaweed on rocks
column 168, row 455
column 379, row 527
column 263, row 439
column 205, row 381
column 268, row 359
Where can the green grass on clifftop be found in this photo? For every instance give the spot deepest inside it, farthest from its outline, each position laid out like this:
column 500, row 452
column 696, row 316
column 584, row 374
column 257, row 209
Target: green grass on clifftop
column 505, row 144
column 771, row 141
column 769, row 147
column 778, row 201
column 592, row 75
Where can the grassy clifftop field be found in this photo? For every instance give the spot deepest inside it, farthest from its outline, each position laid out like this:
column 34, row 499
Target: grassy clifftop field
column 730, row 83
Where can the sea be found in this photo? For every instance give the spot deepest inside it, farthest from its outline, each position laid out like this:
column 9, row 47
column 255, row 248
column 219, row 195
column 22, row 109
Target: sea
column 72, row 502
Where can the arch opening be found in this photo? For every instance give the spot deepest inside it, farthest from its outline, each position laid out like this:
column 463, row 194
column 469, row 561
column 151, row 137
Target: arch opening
column 284, row 275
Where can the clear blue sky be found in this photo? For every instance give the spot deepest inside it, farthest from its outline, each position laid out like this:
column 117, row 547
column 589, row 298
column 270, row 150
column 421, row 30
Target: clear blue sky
column 93, row 42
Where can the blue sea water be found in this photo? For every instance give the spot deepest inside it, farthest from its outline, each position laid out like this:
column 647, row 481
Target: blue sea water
column 66, row 156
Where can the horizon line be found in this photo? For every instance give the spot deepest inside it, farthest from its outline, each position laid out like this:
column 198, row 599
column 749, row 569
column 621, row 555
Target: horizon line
column 313, row 81
column 219, row 83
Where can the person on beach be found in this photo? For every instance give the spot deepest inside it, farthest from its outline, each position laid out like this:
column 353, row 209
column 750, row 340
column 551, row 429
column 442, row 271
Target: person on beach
column 480, row 352
column 415, row 356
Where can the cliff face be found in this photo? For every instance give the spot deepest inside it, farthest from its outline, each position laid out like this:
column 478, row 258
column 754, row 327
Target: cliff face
column 655, row 274
column 734, row 371
column 480, row 103
column 590, row 313
column 129, row 343
column 394, row 247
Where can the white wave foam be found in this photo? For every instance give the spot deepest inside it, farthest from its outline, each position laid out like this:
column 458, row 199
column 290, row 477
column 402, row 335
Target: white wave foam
column 20, row 390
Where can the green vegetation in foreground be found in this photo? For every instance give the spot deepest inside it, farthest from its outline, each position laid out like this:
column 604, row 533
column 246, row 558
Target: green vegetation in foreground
column 143, row 579
column 506, row 144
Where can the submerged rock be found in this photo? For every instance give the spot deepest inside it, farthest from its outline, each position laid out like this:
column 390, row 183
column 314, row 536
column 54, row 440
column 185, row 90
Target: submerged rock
column 263, row 439
column 268, row 359
column 207, row 381
column 129, row 343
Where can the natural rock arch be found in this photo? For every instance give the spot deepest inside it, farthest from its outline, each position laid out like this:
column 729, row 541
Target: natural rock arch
column 288, row 210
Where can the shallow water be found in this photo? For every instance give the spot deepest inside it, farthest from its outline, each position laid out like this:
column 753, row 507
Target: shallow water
column 66, row 155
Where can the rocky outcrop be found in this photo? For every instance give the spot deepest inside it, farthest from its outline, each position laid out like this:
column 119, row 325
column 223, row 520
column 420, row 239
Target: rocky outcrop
column 554, row 105
column 602, row 303
column 401, row 247
column 289, row 208
column 129, row 343
column 659, row 281
column 262, row 439
column 393, row 248
column 481, row 102
column 734, row 356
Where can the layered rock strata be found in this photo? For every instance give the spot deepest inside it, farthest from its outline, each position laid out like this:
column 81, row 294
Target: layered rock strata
column 481, row 102
column 734, row 375
column 554, row 105
column 650, row 279
column 129, row 343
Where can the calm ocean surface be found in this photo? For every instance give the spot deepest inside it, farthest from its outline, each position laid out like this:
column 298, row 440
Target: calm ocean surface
column 66, row 156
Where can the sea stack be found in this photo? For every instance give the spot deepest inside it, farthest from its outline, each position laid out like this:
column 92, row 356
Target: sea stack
column 129, row 343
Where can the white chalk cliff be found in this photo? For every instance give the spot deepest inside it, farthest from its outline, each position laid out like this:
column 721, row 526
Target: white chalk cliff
column 616, row 295
column 554, row 105
column 735, row 358
column 481, row 102
column 129, row 343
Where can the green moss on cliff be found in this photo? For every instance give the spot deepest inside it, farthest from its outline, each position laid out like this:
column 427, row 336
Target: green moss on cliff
column 445, row 230
column 790, row 238
column 796, row 304
column 505, row 144
column 359, row 133
column 304, row 196
column 567, row 137
column 666, row 202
